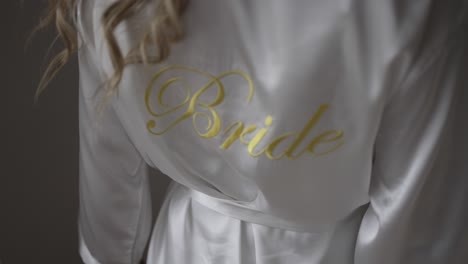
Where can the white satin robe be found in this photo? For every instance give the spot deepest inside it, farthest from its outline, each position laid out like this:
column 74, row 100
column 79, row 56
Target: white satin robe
column 305, row 132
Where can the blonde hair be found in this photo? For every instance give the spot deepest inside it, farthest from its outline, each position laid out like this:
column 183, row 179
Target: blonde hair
column 163, row 29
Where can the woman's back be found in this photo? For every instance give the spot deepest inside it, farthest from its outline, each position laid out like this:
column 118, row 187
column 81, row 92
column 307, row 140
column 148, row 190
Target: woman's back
column 325, row 124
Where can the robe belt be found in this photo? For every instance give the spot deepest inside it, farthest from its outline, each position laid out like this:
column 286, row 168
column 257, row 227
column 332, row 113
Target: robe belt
column 241, row 212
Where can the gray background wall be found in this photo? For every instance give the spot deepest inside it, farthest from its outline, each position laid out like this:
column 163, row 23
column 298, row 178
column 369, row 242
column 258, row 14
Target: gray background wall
column 39, row 175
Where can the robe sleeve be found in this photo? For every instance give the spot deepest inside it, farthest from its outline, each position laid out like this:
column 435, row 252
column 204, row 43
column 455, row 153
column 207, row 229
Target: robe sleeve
column 418, row 212
column 115, row 213
column 115, row 205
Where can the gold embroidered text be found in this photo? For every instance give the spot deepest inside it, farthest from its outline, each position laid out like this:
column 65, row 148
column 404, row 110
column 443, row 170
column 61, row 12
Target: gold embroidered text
column 286, row 145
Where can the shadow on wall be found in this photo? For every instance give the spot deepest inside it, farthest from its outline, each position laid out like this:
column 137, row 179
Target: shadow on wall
column 39, row 181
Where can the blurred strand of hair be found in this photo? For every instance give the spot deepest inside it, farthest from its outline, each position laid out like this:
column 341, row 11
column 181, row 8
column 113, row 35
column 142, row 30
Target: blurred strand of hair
column 162, row 30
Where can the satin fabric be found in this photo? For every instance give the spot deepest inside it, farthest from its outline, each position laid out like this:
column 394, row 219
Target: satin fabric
column 294, row 132
column 189, row 232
